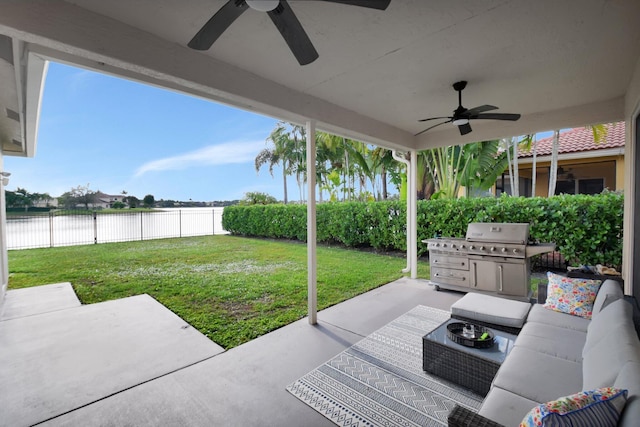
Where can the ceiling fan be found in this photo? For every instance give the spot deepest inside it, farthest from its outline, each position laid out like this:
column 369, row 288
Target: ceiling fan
column 462, row 116
column 282, row 16
column 566, row 174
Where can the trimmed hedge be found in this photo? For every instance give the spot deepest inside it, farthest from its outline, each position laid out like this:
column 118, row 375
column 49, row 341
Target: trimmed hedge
column 586, row 229
column 30, row 209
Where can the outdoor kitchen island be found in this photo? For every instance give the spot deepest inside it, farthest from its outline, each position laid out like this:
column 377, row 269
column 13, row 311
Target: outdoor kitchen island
column 493, row 258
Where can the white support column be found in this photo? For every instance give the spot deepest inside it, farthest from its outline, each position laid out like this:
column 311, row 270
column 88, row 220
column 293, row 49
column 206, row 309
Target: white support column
column 4, row 261
column 412, row 199
column 312, row 277
column 410, row 225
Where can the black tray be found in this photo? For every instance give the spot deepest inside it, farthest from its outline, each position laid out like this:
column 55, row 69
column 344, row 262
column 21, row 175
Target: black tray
column 454, row 333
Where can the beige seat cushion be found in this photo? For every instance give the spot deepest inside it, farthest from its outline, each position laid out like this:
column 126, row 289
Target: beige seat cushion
column 609, row 291
column 629, row 379
column 505, row 407
column 552, row 340
column 603, row 360
column 562, row 320
column 538, row 376
column 490, row 309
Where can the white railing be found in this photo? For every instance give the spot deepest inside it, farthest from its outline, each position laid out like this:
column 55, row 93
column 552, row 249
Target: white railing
column 89, row 227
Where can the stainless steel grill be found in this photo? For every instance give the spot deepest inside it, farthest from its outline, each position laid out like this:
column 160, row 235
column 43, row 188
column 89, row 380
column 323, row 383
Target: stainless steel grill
column 492, row 258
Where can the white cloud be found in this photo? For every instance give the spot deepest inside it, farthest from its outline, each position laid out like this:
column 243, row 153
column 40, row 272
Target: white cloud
column 220, row 154
column 80, row 80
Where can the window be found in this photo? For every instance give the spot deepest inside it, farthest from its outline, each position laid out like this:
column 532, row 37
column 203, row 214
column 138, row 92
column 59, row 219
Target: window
column 591, row 186
column 566, row 187
column 503, row 185
column 580, row 186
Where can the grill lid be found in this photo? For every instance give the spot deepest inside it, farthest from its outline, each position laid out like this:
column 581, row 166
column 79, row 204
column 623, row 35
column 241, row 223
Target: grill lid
column 516, row 233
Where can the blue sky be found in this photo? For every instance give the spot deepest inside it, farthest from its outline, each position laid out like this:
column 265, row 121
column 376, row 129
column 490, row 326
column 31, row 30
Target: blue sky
column 116, row 135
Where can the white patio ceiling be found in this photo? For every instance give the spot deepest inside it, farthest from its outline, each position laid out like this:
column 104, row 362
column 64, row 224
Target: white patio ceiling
column 558, row 63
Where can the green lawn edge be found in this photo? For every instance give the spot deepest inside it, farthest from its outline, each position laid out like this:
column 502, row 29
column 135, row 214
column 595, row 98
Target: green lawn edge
column 232, row 289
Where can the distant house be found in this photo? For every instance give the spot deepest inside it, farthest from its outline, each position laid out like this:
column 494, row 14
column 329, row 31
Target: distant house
column 46, row 203
column 584, row 167
column 106, row 201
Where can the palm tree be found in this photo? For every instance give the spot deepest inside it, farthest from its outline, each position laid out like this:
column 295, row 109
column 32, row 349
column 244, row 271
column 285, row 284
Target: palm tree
column 382, row 162
column 339, row 162
column 358, row 153
column 553, row 169
column 330, row 161
column 512, row 166
column 485, row 164
column 447, row 164
column 475, row 165
column 516, row 172
column 270, row 157
column 347, row 186
column 425, row 185
column 533, row 143
column 279, row 137
column 526, row 143
column 297, row 156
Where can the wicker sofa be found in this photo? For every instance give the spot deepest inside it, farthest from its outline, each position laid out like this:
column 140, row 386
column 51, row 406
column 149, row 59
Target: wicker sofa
column 557, row 355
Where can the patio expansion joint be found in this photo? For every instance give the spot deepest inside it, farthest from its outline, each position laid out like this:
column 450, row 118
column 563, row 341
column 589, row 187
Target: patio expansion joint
column 344, row 329
column 127, row 388
column 2, row 319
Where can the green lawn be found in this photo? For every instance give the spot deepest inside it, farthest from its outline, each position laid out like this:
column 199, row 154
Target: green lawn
column 232, row 289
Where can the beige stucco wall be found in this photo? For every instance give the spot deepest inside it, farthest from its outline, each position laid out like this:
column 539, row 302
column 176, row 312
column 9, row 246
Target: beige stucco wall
column 620, row 173
column 610, row 168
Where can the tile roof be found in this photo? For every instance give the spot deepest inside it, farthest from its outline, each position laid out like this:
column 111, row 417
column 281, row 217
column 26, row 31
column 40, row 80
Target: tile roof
column 581, row 139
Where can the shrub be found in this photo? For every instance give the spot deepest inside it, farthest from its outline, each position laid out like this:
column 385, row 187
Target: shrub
column 586, row 229
column 257, row 198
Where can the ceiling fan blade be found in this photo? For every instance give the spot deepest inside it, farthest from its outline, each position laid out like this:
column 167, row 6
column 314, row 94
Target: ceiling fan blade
column 435, row 118
column 497, row 116
column 293, row 33
column 480, row 109
column 434, row 126
column 217, row 24
column 372, row 4
column 464, row 129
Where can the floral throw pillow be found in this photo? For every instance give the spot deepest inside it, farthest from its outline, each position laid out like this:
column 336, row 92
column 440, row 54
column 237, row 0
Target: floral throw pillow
column 601, row 407
column 571, row 295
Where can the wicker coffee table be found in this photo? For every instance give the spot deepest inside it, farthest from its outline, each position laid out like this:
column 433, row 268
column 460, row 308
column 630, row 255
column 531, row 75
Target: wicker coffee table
column 472, row 368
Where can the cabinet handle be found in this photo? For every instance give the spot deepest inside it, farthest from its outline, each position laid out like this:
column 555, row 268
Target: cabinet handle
column 500, row 274
column 475, row 275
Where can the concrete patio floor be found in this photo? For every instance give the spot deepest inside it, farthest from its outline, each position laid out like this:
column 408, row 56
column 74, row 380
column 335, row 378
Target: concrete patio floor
column 133, row 362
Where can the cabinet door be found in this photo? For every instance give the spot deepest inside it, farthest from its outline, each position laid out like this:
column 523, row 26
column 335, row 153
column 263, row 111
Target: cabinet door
column 512, row 279
column 483, row 275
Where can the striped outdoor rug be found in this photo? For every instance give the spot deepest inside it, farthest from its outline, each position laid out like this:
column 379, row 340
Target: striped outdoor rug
column 380, row 382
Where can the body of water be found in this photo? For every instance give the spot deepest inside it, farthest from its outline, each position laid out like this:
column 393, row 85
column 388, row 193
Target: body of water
column 65, row 230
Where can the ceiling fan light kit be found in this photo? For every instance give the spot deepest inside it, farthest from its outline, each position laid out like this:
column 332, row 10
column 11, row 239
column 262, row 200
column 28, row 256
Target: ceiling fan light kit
column 283, row 18
column 462, row 116
column 263, row 5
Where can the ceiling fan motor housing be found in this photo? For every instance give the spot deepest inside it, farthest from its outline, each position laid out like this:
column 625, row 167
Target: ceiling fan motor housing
column 462, row 115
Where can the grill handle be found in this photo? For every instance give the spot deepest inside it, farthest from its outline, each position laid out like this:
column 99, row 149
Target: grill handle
column 475, row 274
column 500, row 276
